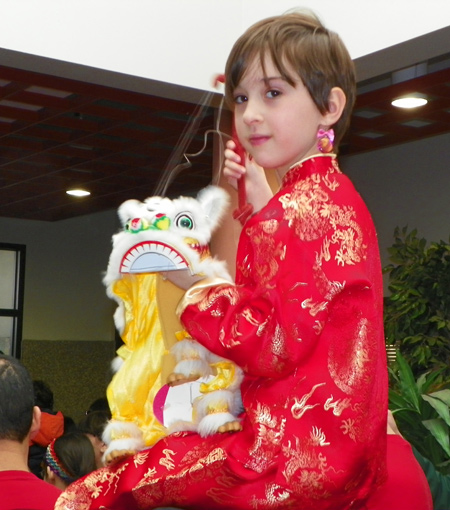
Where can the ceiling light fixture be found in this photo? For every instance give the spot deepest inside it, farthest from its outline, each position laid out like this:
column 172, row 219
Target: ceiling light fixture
column 410, row 101
column 78, row 192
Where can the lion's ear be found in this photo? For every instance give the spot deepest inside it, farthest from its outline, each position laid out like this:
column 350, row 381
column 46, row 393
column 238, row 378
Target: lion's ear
column 214, row 202
column 129, row 210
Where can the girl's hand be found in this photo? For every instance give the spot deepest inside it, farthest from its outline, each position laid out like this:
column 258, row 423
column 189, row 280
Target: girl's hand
column 257, row 188
column 233, row 166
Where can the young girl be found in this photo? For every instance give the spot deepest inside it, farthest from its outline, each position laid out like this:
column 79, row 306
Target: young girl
column 92, row 426
column 304, row 319
column 68, row 458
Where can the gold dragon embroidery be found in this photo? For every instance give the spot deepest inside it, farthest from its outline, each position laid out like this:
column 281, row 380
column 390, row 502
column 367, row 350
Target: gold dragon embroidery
column 270, row 432
column 167, row 461
column 300, row 407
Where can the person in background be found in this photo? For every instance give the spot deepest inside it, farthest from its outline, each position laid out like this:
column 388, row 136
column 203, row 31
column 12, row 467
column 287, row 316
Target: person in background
column 52, row 425
column 69, row 425
column 19, row 422
column 100, row 404
column 68, row 458
column 93, row 425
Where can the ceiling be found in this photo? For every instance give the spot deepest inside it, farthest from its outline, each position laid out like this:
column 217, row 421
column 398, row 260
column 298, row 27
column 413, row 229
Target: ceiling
column 58, row 132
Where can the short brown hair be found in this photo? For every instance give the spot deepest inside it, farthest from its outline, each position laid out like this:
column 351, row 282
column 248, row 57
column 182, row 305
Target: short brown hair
column 16, row 399
column 299, row 40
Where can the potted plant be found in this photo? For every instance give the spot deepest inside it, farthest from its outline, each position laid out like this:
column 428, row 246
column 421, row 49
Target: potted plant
column 422, row 415
column 417, row 328
column 417, row 310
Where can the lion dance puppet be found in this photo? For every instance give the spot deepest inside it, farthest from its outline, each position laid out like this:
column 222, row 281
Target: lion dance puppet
column 160, row 235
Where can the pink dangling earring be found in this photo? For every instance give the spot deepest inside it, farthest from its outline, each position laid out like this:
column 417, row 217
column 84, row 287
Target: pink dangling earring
column 325, row 139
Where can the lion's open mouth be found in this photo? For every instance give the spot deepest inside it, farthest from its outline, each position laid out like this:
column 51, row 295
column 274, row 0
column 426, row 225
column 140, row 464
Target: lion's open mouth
column 152, row 257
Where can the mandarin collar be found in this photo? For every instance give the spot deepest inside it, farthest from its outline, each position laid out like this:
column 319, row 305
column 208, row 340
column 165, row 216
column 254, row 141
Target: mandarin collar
column 317, row 163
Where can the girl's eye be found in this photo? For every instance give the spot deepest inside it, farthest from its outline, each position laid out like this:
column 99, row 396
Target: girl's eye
column 273, row 93
column 240, row 99
column 184, row 221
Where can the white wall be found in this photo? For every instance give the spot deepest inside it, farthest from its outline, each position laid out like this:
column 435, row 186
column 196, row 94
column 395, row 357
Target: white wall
column 186, row 42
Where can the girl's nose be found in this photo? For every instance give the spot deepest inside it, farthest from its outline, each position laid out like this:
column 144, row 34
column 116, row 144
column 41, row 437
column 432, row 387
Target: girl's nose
column 252, row 113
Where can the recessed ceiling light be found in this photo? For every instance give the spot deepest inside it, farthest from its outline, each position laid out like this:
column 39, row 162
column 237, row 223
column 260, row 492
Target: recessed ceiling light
column 410, row 101
column 78, row 192
column 416, row 123
column 367, row 113
column 371, row 134
column 20, row 105
column 48, row 92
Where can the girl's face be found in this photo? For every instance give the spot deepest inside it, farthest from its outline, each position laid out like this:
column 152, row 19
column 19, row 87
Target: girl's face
column 276, row 122
column 99, row 449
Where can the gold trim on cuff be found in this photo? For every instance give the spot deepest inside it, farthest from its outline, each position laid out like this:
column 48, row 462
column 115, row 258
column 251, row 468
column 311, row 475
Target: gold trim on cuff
column 198, row 291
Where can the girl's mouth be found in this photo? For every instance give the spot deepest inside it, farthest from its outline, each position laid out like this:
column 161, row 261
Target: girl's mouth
column 256, row 140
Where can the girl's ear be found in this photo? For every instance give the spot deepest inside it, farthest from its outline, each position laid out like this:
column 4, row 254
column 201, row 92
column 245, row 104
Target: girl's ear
column 336, row 104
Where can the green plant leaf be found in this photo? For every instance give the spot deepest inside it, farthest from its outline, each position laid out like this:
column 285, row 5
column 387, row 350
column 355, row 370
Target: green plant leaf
column 440, row 407
column 440, row 433
column 407, row 416
column 397, row 402
column 426, row 381
column 407, row 382
column 443, row 395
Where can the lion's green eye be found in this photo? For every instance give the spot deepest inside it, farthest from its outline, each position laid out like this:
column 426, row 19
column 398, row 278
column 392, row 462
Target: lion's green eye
column 184, row 221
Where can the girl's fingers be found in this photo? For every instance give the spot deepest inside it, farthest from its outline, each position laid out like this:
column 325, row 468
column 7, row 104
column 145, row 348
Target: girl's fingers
column 233, row 168
column 230, row 144
column 231, row 155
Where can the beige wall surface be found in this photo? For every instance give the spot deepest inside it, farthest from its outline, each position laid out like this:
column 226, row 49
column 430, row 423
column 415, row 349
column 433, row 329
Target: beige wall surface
column 77, row 372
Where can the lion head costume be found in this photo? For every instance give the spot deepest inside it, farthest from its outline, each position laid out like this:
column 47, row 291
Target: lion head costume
column 158, row 235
